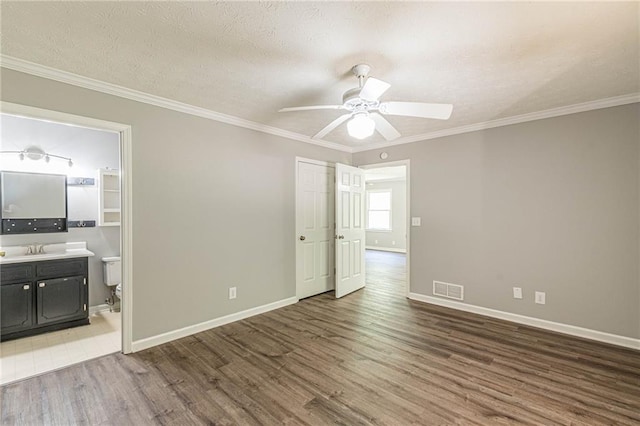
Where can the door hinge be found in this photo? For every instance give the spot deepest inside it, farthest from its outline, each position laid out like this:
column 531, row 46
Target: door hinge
column 334, row 271
column 84, row 280
column 85, row 307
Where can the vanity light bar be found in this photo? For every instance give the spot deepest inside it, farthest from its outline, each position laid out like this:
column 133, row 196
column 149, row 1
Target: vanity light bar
column 35, row 153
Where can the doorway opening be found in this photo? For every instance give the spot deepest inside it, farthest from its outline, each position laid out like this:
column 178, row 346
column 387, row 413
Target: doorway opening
column 387, row 226
column 52, row 332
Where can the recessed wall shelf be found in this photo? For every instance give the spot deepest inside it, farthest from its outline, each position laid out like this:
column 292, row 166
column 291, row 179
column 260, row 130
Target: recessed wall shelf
column 109, row 188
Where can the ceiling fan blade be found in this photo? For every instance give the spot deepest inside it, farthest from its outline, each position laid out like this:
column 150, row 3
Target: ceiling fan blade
column 384, row 127
column 307, row 108
column 373, row 89
column 417, row 109
column 335, row 123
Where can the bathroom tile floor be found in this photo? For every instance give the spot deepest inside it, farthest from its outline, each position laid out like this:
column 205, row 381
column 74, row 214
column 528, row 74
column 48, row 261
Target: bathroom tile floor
column 34, row 355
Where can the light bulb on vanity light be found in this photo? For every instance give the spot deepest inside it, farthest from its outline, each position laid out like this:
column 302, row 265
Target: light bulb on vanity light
column 361, row 126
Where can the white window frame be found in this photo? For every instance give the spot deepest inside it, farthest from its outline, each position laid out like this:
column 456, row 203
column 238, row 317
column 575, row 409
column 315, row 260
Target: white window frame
column 390, row 229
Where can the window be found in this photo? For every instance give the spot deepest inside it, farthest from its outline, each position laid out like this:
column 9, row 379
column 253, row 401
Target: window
column 379, row 209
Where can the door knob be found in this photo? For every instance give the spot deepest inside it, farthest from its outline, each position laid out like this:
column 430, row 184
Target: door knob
column 302, row 238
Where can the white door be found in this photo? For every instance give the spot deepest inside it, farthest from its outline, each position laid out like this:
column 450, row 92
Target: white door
column 350, row 232
column 314, row 226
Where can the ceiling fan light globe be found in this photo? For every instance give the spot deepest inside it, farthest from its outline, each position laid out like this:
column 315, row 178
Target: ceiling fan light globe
column 361, row 126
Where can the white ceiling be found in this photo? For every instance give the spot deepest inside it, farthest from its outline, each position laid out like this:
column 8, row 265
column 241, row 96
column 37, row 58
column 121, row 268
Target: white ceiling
column 249, row 59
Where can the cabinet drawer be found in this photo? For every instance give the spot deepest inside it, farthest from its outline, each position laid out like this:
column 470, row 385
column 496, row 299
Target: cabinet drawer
column 17, row 272
column 61, row 268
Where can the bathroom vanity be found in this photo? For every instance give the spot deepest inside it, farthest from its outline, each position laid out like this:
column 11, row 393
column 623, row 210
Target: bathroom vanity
column 43, row 291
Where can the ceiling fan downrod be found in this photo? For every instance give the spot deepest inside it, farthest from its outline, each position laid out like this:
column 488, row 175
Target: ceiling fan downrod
column 361, row 71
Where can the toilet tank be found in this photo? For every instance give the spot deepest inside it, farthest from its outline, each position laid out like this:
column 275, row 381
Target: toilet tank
column 112, row 273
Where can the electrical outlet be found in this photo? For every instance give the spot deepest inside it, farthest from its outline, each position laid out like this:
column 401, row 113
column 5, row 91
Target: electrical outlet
column 232, row 292
column 541, row 298
column 376, row 241
column 517, row 293
column 393, row 243
column 416, row 221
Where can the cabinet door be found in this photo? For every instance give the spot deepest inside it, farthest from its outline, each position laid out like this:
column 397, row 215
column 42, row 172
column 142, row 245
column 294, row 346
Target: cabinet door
column 16, row 301
column 61, row 299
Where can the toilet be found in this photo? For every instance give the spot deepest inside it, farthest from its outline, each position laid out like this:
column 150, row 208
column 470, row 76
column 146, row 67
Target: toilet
column 112, row 275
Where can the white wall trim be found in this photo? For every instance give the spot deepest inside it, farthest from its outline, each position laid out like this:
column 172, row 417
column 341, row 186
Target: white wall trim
column 126, row 155
column 316, row 162
column 507, row 121
column 142, row 344
column 392, row 249
column 126, row 240
column 50, row 73
column 38, row 70
column 98, row 308
column 60, row 117
column 572, row 330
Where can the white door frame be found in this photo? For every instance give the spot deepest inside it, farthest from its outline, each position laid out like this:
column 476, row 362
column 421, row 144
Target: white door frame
column 408, row 230
column 295, row 203
column 126, row 167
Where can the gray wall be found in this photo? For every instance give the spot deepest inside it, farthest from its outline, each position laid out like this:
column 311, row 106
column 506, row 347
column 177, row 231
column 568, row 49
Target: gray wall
column 551, row 205
column 90, row 150
column 213, row 206
column 398, row 233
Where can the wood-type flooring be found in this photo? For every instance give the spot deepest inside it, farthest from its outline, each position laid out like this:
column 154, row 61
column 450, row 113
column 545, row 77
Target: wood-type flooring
column 372, row 357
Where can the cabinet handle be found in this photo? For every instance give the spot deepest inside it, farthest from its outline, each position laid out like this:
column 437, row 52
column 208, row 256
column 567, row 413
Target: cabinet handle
column 41, row 284
column 302, row 238
column 25, row 287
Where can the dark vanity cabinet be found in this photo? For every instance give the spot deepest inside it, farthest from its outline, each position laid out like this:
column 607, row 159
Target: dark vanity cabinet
column 36, row 297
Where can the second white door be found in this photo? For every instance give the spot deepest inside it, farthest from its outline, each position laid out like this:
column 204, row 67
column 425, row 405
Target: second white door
column 350, row 229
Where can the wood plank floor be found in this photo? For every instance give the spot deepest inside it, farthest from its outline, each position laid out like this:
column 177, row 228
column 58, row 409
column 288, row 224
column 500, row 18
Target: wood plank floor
column 373, row 357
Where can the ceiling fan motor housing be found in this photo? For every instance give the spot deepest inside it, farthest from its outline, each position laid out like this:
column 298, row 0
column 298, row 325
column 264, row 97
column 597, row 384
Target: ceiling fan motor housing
column 351, row 101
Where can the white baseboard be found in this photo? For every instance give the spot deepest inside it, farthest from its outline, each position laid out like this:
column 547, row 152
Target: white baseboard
column 148, row 342
column 98, row 308
column 395, row 250
column 600, row 336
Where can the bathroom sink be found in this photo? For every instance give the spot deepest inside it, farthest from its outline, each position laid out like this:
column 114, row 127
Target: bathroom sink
column 18, row 254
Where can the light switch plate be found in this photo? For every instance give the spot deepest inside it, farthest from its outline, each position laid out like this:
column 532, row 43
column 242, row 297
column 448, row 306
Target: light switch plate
column 416, row 221
column 517, row 293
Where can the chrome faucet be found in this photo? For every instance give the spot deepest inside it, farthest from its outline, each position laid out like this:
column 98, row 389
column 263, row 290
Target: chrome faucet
column 35, row 249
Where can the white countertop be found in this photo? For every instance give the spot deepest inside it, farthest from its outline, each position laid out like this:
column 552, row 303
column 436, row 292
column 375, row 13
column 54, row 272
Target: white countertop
column 18, row 254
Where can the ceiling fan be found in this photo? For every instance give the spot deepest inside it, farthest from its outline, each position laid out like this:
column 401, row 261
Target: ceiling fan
column 364, row 109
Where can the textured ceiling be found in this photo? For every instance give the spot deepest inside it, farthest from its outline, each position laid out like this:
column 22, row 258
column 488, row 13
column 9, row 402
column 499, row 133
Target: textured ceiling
column 248, row 59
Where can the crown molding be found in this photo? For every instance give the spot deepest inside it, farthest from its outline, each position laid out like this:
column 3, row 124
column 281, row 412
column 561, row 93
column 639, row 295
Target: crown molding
column 38, row 70
column 516, row 119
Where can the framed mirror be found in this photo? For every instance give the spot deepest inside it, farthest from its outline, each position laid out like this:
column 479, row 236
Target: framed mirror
column 33, row 202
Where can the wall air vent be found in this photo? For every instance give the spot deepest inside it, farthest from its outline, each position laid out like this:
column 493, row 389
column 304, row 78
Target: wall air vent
column 452, row 291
